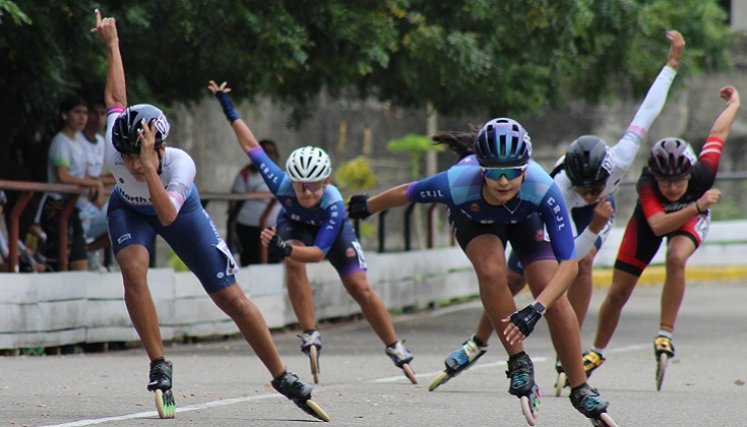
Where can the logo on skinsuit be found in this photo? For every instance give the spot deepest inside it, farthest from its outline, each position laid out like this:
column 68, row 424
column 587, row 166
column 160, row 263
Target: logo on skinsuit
column 539, row 235
column 474, row 207
column 349, row 252
column 124, row 238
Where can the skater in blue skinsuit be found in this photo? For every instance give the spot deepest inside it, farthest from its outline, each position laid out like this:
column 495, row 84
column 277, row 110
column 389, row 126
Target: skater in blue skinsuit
column 495, row 196
column 155, row 195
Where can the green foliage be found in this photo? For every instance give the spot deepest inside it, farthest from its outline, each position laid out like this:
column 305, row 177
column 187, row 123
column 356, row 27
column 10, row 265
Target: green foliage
column 510, row 58
column 176, row 263
column 414, row 145
column 355, row 175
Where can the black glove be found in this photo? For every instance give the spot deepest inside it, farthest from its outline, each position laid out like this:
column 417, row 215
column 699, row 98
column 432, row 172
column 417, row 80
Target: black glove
column 526, row 318
column 281, row 246
column 358, row 207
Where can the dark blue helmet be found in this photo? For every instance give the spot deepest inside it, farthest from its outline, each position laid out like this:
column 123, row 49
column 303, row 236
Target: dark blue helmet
column 125, row 130
column 503, row 142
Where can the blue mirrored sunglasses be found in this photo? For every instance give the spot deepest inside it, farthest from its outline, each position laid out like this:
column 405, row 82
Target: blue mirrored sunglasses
column 510, row 173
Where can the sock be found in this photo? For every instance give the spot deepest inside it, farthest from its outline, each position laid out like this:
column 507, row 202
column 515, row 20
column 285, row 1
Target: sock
column 663, row 333
column 599, row 350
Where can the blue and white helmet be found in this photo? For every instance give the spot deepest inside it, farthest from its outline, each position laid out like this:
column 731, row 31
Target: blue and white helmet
column 308, row 164
column 503, row 142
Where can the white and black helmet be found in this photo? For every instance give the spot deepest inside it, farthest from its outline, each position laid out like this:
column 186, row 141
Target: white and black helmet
column 308, row 164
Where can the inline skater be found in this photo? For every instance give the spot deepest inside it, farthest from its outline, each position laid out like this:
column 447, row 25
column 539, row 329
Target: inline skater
column 495, row 195
column 588, row 177
column 312, row 226
column 155, row 195
column 674, row 200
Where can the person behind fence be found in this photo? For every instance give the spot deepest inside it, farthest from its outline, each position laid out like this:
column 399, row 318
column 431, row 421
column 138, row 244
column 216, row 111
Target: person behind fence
column 588, row 176
column 311, row 227
column 248, row 213
column 675, row 195
column 156, row 195
column 66, row 164
column 496, row 194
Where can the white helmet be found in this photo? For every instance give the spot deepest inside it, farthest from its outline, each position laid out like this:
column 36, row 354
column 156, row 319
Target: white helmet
column 308, row 164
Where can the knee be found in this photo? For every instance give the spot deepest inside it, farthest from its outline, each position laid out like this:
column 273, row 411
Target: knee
column 233, row 305
column 360, row 290
column 585, row 265
column 676, row 260
column 617, row 297
column 294, row 267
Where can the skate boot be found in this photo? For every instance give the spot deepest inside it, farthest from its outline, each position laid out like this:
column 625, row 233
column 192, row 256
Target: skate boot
column 311, row 345
column 592, row 360
column 663, row 350
column 160, row 383
column 458, row 361
column 562, row 380
column 521, row 373
column 402, row 357
column 299, row 392
column 590, row 404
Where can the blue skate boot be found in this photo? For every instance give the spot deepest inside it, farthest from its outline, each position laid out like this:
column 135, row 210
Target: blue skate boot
column 663, row 350
column 299, row 392
column 521, row 373
column 160, row 383
column 402, row 357
column 311, row 345
column 458, row 361
column 590, row 404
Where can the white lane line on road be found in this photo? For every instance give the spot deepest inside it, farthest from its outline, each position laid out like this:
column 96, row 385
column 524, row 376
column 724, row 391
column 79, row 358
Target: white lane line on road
column 432, row 374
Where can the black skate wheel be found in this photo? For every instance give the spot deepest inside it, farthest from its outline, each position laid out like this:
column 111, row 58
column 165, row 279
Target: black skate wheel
column 320, row 413
column 409, row 373
column 441, row 378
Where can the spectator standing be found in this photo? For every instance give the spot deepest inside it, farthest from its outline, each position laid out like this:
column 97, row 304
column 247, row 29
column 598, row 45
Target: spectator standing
column 248, row 213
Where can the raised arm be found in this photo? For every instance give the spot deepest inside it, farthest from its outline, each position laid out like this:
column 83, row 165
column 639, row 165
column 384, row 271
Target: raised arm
column 722, row 126
column 115, row 92
column 244, row 135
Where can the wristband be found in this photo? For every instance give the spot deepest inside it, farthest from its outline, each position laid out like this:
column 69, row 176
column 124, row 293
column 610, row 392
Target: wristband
column 227, row 105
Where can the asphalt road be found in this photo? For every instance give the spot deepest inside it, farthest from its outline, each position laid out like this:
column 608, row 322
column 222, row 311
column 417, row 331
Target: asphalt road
column 222, row 383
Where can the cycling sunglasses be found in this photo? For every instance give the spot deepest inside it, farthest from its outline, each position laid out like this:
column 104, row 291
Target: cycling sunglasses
column 591, row 191
column 510, row 173
column 311, row 186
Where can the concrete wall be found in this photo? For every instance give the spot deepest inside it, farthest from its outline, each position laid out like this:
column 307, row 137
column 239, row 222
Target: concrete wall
column 54, row 309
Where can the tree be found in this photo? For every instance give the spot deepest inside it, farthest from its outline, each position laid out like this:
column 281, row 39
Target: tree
column 462, row 56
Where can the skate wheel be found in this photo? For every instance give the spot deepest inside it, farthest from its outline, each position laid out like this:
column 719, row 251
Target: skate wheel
column 165, row 404
column 441, row 378
column 528, row 410
column 661, row 369
column 314, row 363
column 562, row 378
column 608, row 421
column 409, row 373
column 318, row 410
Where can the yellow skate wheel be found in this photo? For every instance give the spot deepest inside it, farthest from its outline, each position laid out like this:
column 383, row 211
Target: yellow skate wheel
column 314, row 363
column 318, row 410
column 409, row 373
column 165, row 404
column 440, row 379
column 562, row 379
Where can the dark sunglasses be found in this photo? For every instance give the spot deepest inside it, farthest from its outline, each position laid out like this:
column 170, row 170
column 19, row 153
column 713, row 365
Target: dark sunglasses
column 311, row 186
column 591, row 191
column 510, row 173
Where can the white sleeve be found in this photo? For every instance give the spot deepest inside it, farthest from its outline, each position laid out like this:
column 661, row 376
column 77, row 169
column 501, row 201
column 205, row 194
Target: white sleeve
column 627, row 148
column 585, row 241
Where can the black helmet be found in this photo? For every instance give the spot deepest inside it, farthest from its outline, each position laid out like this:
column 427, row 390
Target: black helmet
column 671, row 158
column 503, row 142
column 585, row 162
column 125, row 130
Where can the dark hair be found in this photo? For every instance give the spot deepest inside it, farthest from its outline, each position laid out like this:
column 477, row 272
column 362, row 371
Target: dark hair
column 265, row 143
column 461, row 143
column 68, row 103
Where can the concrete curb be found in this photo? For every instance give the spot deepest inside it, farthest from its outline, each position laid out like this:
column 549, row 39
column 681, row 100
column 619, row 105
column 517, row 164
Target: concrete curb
column 655, row 275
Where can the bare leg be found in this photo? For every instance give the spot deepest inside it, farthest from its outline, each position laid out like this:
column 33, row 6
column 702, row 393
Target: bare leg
column 133, row 261
column 579, row 294
column 622, row 287
column 486, row 252
column 372, row 306
column 252, row 325
column 299, row 293
column 680, row 249
column 561, row 321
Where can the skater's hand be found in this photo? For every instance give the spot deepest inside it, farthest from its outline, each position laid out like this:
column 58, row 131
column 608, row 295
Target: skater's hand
column 358, row 207
column 148, row 156
column 272, row 241
column 221, row 92
column 106, row 30
column 602, row 214
column 521, row 323
column 676, row 46
column 214, row 88
column 708, row 199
